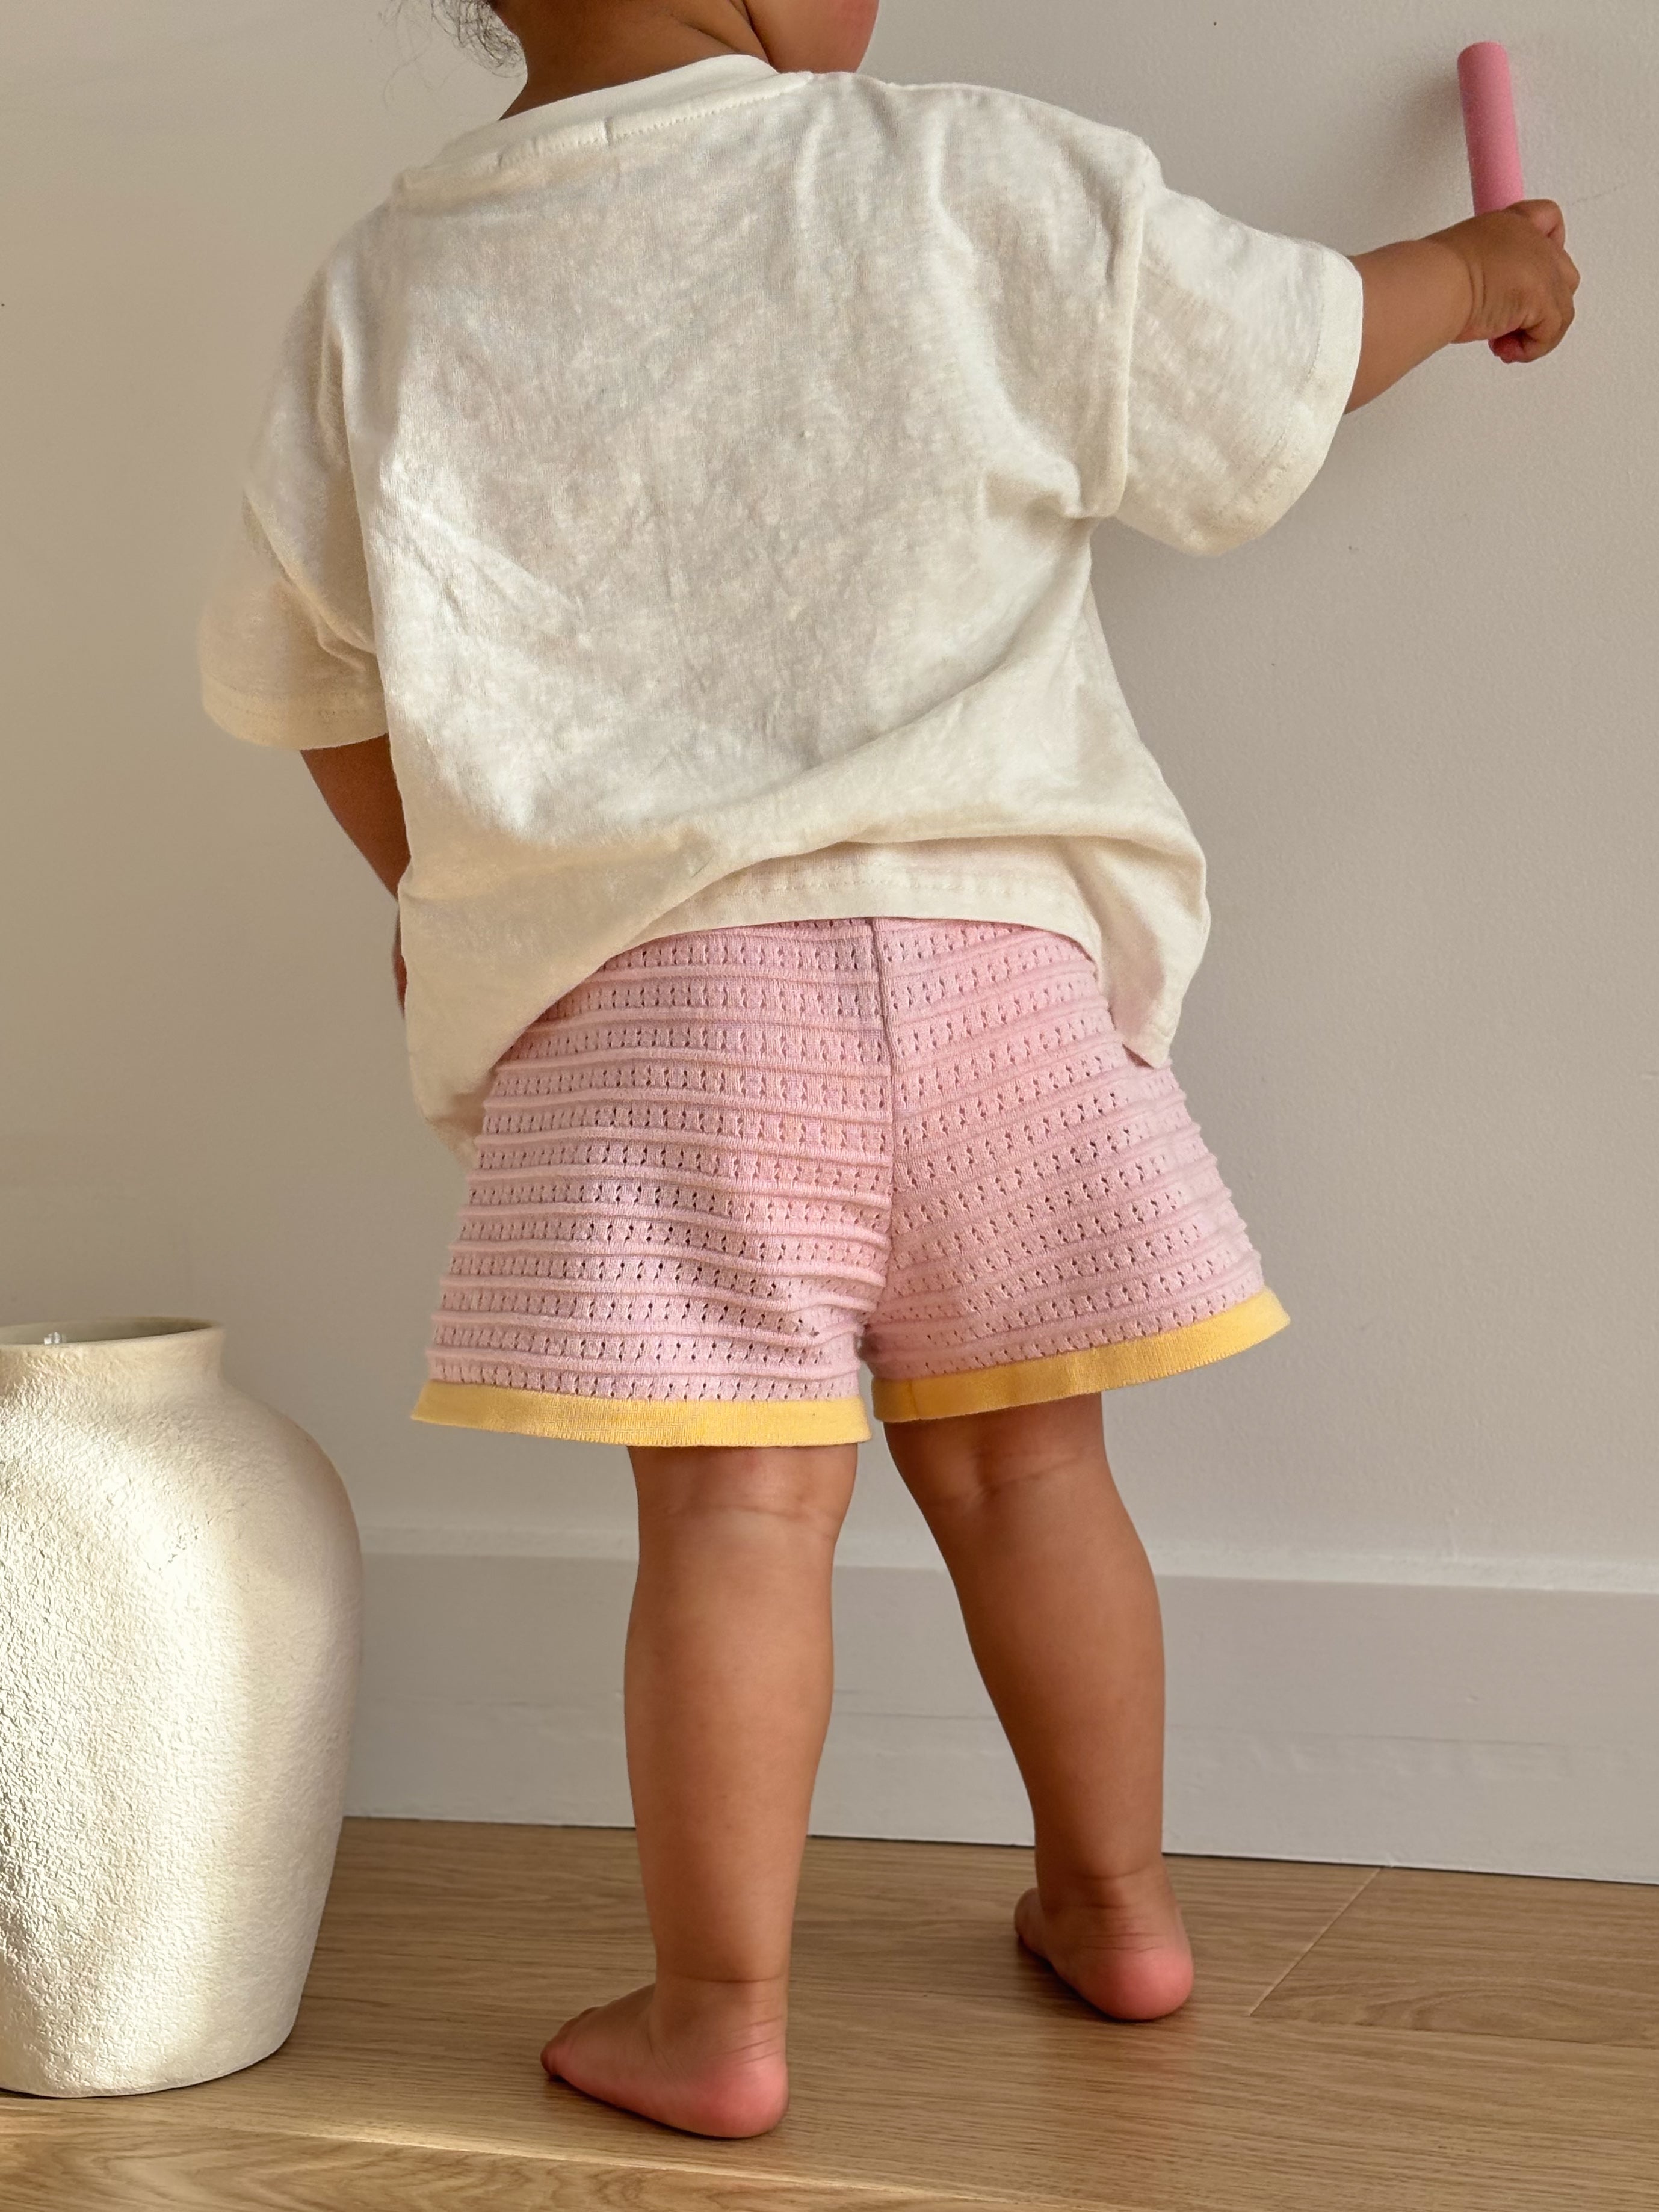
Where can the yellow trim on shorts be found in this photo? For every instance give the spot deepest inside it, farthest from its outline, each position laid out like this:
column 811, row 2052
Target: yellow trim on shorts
column 1078, row 1374
column 644, row 1420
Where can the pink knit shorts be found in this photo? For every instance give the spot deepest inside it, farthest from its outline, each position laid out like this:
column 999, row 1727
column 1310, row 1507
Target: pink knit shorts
column 733, row 1164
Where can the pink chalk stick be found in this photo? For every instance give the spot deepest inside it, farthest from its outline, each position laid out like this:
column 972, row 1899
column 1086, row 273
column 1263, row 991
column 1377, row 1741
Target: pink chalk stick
column 1483, row 76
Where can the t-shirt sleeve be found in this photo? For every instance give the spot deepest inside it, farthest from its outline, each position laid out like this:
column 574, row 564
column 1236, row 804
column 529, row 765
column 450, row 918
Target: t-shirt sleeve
column 1241, row 355
column 285, row 640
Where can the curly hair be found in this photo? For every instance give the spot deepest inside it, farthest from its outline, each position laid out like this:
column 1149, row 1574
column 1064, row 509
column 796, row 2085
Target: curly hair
column 481, row 31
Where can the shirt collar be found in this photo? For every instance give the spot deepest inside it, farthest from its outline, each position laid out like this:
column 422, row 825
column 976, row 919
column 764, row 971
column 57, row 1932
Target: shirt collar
column 665, row 88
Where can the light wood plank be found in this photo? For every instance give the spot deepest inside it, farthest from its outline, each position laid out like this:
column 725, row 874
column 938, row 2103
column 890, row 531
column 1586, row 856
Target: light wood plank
column 176, row 2169
column 570, row 1896
column 1486, row 1955
column 943, row 1913
column 933, row 2061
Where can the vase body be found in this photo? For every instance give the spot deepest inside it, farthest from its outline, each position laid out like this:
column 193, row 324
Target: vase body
column 181, row 1602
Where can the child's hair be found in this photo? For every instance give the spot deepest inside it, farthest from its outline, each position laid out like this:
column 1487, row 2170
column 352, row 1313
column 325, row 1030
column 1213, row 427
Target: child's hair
column 477, row 26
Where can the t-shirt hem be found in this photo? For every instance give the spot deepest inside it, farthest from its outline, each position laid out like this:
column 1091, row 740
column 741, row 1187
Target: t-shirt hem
column 1042, row 895
column 309, row 727
column 1314, row 415
column 852, row 890
column 908, row 883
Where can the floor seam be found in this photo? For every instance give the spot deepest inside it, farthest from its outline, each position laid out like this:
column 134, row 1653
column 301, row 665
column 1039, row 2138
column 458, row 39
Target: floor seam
column 1315, row 1941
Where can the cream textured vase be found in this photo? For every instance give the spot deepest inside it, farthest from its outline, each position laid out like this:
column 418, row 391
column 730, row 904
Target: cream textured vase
column 180, row 1621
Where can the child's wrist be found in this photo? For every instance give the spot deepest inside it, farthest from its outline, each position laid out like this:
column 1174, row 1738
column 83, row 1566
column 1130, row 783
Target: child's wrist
column 1460, row 275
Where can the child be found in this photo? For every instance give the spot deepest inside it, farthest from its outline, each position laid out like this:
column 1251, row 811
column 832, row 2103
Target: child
column 669, row 543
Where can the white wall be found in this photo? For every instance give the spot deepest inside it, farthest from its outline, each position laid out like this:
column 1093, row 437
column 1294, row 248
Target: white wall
column 1413, row 727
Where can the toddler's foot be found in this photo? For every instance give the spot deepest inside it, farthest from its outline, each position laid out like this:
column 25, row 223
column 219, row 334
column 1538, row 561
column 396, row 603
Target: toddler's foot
column 710, row 2061
column 1123, row 1947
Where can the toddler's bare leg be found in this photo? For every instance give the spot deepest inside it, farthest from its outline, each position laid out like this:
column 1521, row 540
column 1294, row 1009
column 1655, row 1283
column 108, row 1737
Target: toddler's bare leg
column 727, row 1689
column 1062, row 1613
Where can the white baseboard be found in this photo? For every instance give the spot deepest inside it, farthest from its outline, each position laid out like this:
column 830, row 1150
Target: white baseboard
column 1508, row 1730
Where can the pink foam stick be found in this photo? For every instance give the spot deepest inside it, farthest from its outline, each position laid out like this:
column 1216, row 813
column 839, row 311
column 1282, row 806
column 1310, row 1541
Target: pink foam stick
column 1483, row 76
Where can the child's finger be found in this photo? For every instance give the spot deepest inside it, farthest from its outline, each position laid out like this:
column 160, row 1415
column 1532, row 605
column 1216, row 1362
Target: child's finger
column 1543, row 336
column 1545, row 215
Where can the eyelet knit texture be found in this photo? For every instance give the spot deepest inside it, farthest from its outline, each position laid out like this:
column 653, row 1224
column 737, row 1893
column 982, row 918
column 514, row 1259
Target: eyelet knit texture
column 732, row 1163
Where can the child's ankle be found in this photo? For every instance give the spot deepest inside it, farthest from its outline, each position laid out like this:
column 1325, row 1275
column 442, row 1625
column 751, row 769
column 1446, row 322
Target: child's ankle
column 756, row 2012
column 1080, row 1889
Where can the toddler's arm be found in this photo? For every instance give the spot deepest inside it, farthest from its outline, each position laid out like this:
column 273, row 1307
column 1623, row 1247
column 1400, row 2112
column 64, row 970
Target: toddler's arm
column 1505, row 277
column 362, row 796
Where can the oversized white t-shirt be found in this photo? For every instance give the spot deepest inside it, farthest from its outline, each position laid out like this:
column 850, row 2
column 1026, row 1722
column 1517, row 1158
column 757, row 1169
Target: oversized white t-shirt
column 696, row 478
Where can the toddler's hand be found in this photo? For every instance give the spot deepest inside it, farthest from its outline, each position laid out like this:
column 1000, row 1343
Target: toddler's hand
column 1522, row 278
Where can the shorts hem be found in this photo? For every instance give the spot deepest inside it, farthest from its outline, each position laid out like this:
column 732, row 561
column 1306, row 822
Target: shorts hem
column 645, row 1421
column 1079, row 1374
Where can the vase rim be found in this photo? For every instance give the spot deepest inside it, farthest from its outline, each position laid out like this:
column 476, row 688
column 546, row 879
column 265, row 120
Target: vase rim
column 127, row 1328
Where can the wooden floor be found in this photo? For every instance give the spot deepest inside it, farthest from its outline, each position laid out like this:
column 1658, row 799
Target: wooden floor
column 1360, row 2042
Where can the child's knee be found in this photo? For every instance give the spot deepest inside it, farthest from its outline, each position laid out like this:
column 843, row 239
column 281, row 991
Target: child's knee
column 808, row 1484
column 976, row 1457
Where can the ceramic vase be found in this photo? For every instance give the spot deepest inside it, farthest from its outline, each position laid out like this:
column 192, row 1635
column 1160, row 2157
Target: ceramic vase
column 180, row 1602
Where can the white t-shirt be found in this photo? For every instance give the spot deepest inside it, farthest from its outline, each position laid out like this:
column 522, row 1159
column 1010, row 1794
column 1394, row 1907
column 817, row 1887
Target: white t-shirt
column 696, row 477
